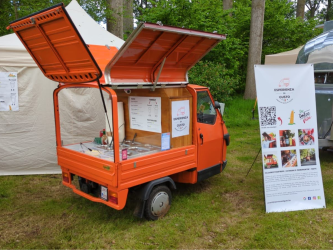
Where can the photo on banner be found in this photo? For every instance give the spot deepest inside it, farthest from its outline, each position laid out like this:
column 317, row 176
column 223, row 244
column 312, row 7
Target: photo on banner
column 289, row 137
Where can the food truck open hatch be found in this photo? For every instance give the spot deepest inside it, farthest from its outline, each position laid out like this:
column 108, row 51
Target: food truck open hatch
column 163, row 130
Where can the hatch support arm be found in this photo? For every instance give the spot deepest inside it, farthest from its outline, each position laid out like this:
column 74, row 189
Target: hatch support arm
column 158, row 75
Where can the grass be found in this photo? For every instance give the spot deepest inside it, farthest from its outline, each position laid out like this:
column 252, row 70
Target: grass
column 225, row 211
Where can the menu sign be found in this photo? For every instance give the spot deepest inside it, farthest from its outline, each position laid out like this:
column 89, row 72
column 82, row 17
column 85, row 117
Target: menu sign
column 145, row 113
column 289, row 137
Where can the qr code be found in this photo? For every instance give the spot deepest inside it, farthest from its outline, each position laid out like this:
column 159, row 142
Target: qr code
column 268, row 116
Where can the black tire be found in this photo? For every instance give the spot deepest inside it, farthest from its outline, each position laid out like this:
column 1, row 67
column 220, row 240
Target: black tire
column 158, row 203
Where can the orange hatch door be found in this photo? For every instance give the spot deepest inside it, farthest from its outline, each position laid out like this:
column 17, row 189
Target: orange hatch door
column 56, row 46
column 152, row 47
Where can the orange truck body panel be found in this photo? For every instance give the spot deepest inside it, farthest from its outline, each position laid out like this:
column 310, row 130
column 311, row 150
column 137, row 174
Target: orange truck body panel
column 59, row 51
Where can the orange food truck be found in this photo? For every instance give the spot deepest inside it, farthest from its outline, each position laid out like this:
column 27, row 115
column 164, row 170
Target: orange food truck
column 160, row 129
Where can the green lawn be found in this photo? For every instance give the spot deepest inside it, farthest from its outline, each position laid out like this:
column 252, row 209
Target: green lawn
column 225, row 211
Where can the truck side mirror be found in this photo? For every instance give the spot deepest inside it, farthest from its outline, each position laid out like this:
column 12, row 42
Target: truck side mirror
column 219, row 106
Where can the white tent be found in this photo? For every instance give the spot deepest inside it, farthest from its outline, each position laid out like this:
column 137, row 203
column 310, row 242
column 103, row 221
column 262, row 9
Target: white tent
column 287, row 57
column 27, row 136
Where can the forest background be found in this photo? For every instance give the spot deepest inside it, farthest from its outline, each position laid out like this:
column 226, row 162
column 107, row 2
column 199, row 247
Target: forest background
column 287, row 25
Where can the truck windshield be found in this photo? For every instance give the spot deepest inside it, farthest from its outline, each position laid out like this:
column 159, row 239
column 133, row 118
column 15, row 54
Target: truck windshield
column 82, row 121
column 206, row 112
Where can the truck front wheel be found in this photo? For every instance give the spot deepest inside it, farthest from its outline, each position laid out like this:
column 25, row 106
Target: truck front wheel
column 158, row 203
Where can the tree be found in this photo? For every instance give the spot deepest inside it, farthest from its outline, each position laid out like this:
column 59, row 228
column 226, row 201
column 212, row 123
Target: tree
column 329, row 10
column 114, row 21
column 128, row 17
column 300, row 9
column 227, row 4
column 282, row 32
column 313, row 6
column 255, row 46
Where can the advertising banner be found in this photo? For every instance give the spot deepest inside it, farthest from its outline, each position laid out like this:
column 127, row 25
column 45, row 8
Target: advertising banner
column 289, row 137
column 8, row 91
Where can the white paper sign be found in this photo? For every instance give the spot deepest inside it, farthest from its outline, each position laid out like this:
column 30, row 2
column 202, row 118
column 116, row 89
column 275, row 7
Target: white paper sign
column 8, row 91
column 145, row 113
column 180, row 118
column 289, row 136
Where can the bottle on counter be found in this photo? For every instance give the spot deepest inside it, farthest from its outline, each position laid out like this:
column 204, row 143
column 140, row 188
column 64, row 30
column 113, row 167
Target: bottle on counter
column 104, row 138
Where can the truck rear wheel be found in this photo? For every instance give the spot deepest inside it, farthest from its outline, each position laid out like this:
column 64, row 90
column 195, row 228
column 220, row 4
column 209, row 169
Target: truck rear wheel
column 158, row 203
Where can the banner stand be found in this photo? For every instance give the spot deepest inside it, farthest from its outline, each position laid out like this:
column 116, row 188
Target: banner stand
column 289, row 137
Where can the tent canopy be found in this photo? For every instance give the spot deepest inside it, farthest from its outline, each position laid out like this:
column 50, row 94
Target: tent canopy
column 27, row 144
column 287, row 57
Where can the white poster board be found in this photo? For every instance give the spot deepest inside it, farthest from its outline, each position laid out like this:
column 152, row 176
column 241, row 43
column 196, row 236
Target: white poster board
column 8, row 91
column 288, row 131
column 180, row 118
column 145, row 113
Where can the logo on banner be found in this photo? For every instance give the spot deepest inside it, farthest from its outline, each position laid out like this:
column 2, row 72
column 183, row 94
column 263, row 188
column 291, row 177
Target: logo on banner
column 181, row 116
column 284, row 93
column 304, row 115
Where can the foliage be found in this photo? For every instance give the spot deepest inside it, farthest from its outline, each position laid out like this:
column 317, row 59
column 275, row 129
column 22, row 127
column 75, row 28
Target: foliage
column 96, row 9
column 214, row 76
column 282, row 31
column 283, row 34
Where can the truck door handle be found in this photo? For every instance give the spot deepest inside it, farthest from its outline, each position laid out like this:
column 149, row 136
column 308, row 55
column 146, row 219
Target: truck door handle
column 201, row 137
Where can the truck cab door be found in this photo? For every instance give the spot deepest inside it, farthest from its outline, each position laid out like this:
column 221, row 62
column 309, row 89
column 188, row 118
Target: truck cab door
column 209, row 136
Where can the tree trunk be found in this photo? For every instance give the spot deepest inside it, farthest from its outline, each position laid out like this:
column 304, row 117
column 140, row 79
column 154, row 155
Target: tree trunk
column 128, row 17
column 328, row 13
column 313, row 6
column 114, row 24
column 255, row 46
column 300, row 9
column 227, row 4
column 15, row 10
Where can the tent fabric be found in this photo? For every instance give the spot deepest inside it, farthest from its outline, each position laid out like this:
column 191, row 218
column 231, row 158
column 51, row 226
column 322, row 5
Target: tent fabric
column 27, row 136
column 288, row 57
